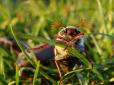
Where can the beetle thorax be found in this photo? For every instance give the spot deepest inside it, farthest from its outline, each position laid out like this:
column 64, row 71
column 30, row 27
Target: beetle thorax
column 70, row 36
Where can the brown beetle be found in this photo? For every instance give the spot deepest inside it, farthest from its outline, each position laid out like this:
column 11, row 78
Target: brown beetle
column 69, row 36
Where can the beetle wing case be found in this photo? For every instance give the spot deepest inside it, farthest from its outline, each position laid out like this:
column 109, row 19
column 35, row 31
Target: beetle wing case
column 43, row 52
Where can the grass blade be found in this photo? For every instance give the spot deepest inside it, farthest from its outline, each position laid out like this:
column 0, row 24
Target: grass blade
column 80, row 57
column 17, row 75
column 36, row 72
column 95, row 71
column 2, row 72
column 48, row 77
column 104, row 34
column 81, row 79
column 3, row 81
column 20, row 46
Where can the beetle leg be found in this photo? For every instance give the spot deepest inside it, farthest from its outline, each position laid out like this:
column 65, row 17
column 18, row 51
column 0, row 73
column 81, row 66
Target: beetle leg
column 57, row 65
column 60, row 75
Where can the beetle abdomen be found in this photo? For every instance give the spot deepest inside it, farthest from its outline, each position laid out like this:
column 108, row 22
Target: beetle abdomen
column 43, row 54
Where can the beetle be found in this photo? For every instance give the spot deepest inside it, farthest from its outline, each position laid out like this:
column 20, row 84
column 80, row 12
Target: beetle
column 69, row 36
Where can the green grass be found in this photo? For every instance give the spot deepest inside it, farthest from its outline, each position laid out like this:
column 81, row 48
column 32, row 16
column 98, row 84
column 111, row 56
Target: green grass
column 36, row 21
column 36, row 72
column 17, row 75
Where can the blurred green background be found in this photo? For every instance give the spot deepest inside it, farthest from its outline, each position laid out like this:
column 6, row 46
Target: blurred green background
column 44, row 17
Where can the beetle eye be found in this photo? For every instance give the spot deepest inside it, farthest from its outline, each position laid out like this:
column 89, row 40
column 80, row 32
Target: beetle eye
column 77, row 31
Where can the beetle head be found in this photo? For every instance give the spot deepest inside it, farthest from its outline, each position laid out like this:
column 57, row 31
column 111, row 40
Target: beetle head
column 71, row 36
